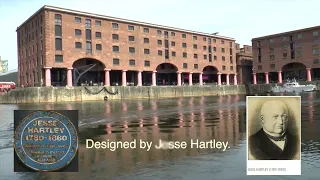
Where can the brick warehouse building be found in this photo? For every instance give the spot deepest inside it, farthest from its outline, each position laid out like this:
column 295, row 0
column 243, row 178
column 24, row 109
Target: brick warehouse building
column 59, row 47
column 287, row 55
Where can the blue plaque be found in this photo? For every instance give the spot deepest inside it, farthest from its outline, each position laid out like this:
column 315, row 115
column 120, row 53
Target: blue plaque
column 46, row 141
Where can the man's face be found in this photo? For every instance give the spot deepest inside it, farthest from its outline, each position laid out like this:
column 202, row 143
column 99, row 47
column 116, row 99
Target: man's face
column 275, row 119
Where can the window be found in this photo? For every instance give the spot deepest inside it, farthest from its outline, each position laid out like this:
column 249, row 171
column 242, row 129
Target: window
column 166, row 34
column 173, row 53
column 272, row 66
column 204, row 48
column 115, row 36
column 223, row 58
column 58, row 44
column 173, row 43
column 185, row 55
column 88, row 23
column 204, row 39
column 116, row 61
column 77, row 20
column 195, row 46
column 316, row 61
column 284, row 38
column 259, row 67
column 284, row 55
column 130, row 28
column 115, row 26
column 184, row 45
column 222, row 50
column 272, row 57
column 159, row 42
column 271, row 48
column 205, row 56
column 146, row 40
column 223, row 68
column 315, row 33
column 58, row 58
column 299, row 36
column 146, row 30
column 98, row 23
column 132, row 62
column 98, row 47
column 147, row 63
column 146, row 51
column 230, row 44
column 57, row 19
column 185, row 65
column 98, row 35
column 195, row 37
column 299, row 53
column 88, row 47
column 58, row 31
column 209, row 41
column 115, row 48
column 215, row 58
column 231, row 68
column 78, row 45
column 195, row 56
column 315, row 51
column 284, row 46
column 316, row 41
column 231, row 60
column 159, row 32
column 131, row 38
column 195, row 66
column 88, row 34
column 214, row 49
column 184, row 36
column 271, row 41
column 222, row 41
column 132, row 50
column 159, row 52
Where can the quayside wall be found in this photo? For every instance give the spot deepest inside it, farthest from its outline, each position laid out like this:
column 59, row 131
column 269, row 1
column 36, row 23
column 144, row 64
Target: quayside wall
column 94, row 93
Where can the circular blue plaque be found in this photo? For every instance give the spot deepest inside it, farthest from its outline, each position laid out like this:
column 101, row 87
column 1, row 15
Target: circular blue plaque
column 46, row 141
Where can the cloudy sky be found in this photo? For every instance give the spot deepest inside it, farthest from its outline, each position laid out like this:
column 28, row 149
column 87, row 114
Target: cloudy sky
column 240, row 19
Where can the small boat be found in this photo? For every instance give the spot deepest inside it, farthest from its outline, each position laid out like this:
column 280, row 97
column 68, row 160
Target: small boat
column 294, row 86
column 7, row 86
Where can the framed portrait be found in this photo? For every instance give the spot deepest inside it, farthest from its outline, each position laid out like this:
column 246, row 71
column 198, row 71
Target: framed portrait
column 273, row 135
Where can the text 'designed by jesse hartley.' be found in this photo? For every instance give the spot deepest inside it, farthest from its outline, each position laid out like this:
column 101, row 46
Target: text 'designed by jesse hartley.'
column 161, row 144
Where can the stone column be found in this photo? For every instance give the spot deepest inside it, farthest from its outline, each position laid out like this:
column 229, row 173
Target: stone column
column 227, row 79
column 69, row 77
column 124, row 77
column 279, row 77
column 107, row 77
column 154, row 79
column 219, row 79
column 235, row 80
column 179, row 78
column 309, row 78
column 254, row 78
column 190, row 79
column 267, row 77
column 139, row 78
column 201, row 78
column 48, row 76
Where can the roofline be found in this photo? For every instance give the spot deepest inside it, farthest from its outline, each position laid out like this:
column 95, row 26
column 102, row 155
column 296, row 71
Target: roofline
column 65, row 10
column 285, row 33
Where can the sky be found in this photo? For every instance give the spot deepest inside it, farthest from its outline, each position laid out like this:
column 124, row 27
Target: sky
column 239, row 19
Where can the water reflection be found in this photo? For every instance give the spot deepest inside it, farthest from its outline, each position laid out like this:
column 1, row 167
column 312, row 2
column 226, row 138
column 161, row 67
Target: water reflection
column 182, row 119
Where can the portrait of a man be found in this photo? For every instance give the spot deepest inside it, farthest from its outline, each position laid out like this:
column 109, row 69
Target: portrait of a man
column 273, row 139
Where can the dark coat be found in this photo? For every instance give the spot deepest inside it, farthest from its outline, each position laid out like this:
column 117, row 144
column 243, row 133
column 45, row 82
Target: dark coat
column 262, row 148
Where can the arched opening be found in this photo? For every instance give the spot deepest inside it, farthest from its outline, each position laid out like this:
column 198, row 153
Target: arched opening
column 210, row 74
column 294, row 71
column 166, row 74
column 88, row 71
